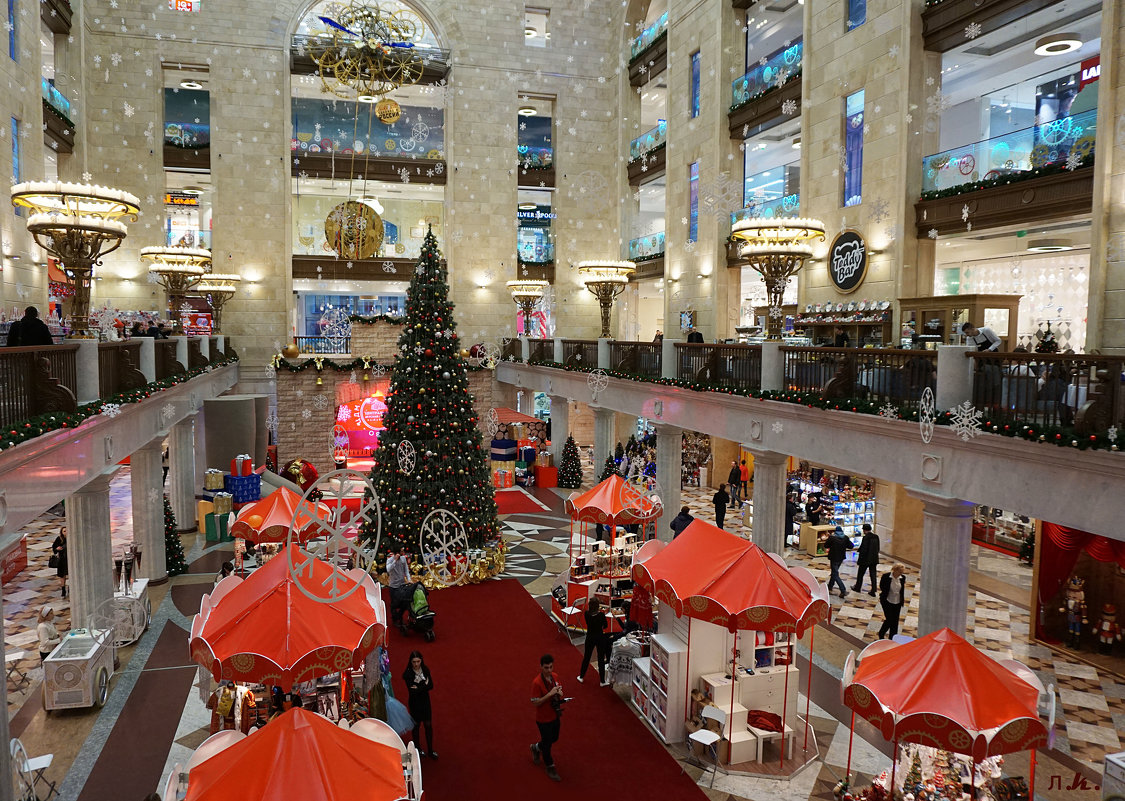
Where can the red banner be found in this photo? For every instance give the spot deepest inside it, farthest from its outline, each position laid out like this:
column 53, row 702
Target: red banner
column 13, row 560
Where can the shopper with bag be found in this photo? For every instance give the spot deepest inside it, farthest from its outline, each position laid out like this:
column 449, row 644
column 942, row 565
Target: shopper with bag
column 419, row 682
column 58, row 558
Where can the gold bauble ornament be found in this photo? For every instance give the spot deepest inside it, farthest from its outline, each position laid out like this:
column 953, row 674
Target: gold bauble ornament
column 291, row 351
column 354, row 230
column 464, row 353
column 388, row 111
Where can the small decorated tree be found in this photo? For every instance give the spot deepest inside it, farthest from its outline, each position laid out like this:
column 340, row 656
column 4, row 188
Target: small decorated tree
column 174, row 560
column 619, row 452
column 570, row 471
column 609, row 469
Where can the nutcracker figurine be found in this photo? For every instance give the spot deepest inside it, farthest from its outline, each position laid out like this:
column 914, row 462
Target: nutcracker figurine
column 1075, row 608
column 1107, row 629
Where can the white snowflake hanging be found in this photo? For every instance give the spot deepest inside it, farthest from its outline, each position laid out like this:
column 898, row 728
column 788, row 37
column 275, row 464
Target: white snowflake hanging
column 778, row 427
column 890, row 411
column 789, row 107
column 972, row 30
column 965, row 421
column 344, row 415
column 879, row 210
column 352, row 379
column 306, row 414
column 167, row 411
column 388, row 267
column 598, row 382
column 1111, row 434
column 927, row 413
column 111, row 409
column 407, row 457
column 1073, row 161
column 321, row 402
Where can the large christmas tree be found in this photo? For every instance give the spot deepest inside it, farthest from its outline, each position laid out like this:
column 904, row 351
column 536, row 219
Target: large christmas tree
column 174, row 560
column 570, row 471
column 429, row 407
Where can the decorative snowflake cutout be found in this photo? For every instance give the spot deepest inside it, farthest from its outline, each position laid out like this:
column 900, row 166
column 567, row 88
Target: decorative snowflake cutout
column 890, row 411
column 306, row 414
column 778, row 427
column 344, row 415
column 932, row 233
column 272, row 421
column 321, row 402
column 407, row 458
column 972, row 30
column 353, row 379
column 598, row 382
column 111, row 409
column 879, row 210
column 167, row 411
column 271, row 371
column 965, row 212
column 388, row 267
column 789, row 107
column 442, row 544
column 927, row 413
column 1111, row 434
column 1073, row 161
column 965, row 421
column 153, row 495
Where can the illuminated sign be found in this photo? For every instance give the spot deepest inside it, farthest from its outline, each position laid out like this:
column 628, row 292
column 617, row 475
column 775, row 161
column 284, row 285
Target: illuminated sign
column 185, row 5
column 1091, row 71
column 370, row 413
column 847, row 261
column 180, row 199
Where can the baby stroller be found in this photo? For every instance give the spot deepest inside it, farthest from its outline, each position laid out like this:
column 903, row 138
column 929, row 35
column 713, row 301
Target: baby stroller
column 419, row 616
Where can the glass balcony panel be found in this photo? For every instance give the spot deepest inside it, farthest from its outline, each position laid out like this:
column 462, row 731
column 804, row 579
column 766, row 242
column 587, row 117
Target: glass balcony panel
column 648, row 36
column 774, row 72
column 648, row 141
column 787, row 206
column 330, row 126
column 55, row 99
column 646, row 247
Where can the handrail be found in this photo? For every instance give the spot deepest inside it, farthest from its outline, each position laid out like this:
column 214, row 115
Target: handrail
column 649, row 141
column 56, row 100
column 19, row 397
column 649, row 35
column 582, row 352
column 771, row 72
column 650, row 246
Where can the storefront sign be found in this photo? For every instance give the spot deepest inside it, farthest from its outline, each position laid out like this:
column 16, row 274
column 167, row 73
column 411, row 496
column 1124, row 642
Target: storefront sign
column 370, row 413
column 527, row 215
column 13, row 559
column 847, row 261
column 196, row 324
column 185, row 5
column 180, row 199
column 1091, row 71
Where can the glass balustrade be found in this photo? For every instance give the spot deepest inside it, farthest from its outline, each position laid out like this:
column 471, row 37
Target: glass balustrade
column 331, row 126
column 771, row 72
column 55, row 99
column 646, row 247
column 648, row 36
column 648, row 141
column 788, row 206
column 1015, row 153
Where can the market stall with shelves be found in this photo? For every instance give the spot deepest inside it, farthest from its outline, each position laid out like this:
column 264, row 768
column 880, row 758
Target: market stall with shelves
column 1002, row 531
column 934, row 321
column 867, row 323
column 848, row 501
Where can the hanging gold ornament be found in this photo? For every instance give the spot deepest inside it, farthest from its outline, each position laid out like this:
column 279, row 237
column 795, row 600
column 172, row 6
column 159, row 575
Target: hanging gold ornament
column 388, row 111
column 354, row 230
column 368, row 51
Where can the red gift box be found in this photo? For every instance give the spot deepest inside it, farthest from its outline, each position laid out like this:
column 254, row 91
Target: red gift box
column 241, row 466
column 546, row 476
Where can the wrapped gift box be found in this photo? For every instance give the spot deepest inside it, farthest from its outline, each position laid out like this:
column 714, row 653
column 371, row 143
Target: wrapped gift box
column 202, row 509
column 546, row 476
column 526, row 455
column 502, row 478
column 224, row 503
column 525, row 443
column 244, row 489
column 217, row 528
column 517, row 431
column 213, row 479
column 509, row 465
column 242, row 465
column 545, row 459
column 503, row 450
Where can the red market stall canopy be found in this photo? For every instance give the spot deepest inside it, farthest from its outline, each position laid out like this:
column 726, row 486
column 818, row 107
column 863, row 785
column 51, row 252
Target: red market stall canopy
column 269, row 519
column 613, row 502
column 712, row 575
column 300, row 755
column 943, row 692
column 266, row 629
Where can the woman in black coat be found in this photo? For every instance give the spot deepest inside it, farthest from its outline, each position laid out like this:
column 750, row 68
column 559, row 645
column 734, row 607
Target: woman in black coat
column 419, row 682
column 58, row 549
column 892, row 596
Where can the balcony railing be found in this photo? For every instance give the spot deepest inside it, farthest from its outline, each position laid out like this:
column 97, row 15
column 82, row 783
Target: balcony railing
column 119, row 367
column 580, row 352
column 56, row 100
column 648, row 247
column 638, row 358
column 541, row 350
column 731, row 366
column 20, row 395
column 324, row 344
column 648, row 141
column 535, row 158
column 898, row 377
column 648, row 36
column 167, row 365
column 512, row 351
column 1064, row 141
column 788, row 206
column 774, row 73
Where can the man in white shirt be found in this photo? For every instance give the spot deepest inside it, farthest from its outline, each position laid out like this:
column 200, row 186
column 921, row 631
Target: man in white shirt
column 984, row 337
column 398, row 574
column 988, row 385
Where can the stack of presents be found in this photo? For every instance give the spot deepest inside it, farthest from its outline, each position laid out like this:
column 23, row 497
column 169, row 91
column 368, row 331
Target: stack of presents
column 518, row 461
column 224, row 494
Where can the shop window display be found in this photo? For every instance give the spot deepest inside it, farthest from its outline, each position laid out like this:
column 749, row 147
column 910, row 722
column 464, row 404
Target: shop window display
column 533, row 143
column 187, row 118
column 332, row 126
column 847, row 501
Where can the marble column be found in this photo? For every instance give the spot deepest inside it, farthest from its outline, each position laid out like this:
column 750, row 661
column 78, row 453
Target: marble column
column 943, row 597
column 560, row 426
column 148, row 510
column 669, row 464
column 605, row 429
column 181, row 473
column 768, row 531
column 89, row 549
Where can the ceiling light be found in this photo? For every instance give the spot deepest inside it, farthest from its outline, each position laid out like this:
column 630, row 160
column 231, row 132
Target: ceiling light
column 796, row 143
column 190, row 85
column 530, row 32
column 1048, row 245
column 367, row 99
column 526, row 207
column 1058, row 43
column 192, row 190
column 527, row 111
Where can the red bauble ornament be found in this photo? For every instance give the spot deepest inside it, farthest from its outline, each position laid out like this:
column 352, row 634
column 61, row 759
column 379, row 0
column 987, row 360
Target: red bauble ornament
column 429, row 352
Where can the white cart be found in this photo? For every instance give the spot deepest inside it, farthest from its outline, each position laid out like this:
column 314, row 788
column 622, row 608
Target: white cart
column 133, row 613
column 77, row 672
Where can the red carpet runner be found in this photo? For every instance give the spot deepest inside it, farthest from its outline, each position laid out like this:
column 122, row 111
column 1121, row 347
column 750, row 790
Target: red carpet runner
column 489, row 640
column 516, row 501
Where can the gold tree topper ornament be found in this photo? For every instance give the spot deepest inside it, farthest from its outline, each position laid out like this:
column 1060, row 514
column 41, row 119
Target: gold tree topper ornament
column 368, row 51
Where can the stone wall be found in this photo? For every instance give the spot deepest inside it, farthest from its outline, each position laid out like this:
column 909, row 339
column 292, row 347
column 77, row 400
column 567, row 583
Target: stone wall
column 377, row 341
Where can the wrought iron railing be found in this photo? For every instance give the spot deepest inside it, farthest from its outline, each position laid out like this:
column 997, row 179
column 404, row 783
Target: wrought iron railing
column 733, row 366
column 18, row 398
column 580, row 352
column 637, row 358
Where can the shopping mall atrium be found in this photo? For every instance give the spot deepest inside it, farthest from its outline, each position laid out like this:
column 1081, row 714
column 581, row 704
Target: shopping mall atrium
column 766, row 355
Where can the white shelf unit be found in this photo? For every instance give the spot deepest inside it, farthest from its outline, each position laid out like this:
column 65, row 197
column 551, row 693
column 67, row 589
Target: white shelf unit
column 641, row 685
column 764, row 690
column 667, row 674
column 767, row 656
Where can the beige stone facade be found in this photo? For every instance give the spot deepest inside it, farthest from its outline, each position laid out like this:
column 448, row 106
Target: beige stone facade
column 377, row 341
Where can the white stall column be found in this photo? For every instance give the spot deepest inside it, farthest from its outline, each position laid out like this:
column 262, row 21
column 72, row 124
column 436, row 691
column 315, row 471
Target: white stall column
column 148, row 510
column 560, row 426
column 181, row 473
column 669, row 471
column 605, row 437
column 89, row 549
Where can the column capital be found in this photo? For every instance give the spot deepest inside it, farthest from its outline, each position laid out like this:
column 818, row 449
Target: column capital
column 938, row 504
column 99, row 483
column 768, row 457
column 602, row 410
column 666, row 429
column 154, row 444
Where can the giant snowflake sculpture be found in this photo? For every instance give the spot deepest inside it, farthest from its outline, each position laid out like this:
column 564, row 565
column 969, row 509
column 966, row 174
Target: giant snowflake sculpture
column 965, row 420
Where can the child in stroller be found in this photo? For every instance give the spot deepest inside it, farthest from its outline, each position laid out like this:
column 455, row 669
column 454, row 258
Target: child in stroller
column 419, row 616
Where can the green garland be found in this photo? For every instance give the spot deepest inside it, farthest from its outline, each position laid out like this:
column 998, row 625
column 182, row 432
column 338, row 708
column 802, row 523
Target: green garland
column 1059, row 435
column 1054, row 168
column 643, row 259
column 53, row 421
column 796, row 76
column 378, row 318
column 346, row 367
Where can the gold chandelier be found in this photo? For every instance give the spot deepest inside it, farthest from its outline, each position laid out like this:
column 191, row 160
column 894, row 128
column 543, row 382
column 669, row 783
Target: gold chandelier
column 527, row 294
column 777, row 248
column 77, row 224
column 178, row 270
column 367, row 51
column 605, row 280
column 218, row 288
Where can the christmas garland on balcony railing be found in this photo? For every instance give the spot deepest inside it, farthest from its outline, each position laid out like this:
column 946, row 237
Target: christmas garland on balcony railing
column 650, row 257
column 796, row 76
column 53, row 421
column 378, row 318
column 358, row 363
column 1054, row 168
column 1059, row 435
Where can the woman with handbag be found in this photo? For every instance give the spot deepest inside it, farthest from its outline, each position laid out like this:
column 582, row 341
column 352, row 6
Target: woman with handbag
column 58, row 558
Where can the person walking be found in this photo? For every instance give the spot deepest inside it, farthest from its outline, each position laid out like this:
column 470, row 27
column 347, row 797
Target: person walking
column 29, row 330
column 744, row 478
column 419, row 682
column 721, row 499
column 791, row 509
column 48, row 634
column 596, row 638
column 547, row 698
column 734, row 478
column 867, row 558
column 165, row 462
column 838, row 546
column 892, row 595
column 398, row 573
column 58, row 552
column 681, row 521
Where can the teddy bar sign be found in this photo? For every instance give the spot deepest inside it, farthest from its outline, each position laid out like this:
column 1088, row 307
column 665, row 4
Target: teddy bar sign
column 847, row 261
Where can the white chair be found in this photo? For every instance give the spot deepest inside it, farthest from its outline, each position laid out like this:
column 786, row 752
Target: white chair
column 380, row 732
column 15, row 672
column 709, row 739
column 30, row 771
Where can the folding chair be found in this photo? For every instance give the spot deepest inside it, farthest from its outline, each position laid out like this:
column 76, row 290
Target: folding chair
column 709, row 739
column 30, row 772
column 15, row 672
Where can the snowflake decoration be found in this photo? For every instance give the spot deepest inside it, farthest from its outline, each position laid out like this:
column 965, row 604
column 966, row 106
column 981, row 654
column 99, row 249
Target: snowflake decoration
column 972, row 30
column 723, row 196
column 321, row 402
column 407, row 457
column 272, row 421
column 388, row 267
column 306, row 414
column 442, row 546
column 965, row 212
column 335, row 325
column 352, row 378
column 932, row 233
column 598, row 382
column 344, row 415
column 111, row 409
column 927, row 413
column 128, row 110
column 153, row 495
column 86, row 176
column 1111, row 434
column 965, row 421
column 167, row 411
column 879, row 210
column 789, row 107
column 778, row 427
column 893, row 52
column 890, row 411
column 1073, row 161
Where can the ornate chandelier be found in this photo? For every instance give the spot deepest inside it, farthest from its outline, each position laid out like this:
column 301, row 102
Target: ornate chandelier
column 527, row 294
column 776, row 247
column 368, row 51
column 77, row 224
column 177, row 270
column 218, row 288
column 605, row 280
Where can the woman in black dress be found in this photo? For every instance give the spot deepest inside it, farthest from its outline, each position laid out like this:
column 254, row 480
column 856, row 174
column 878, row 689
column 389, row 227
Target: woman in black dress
column 58, row 549
column 418, row 686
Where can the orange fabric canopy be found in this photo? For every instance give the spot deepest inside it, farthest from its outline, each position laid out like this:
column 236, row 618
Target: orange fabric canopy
column 941, row 691
column 269, row 519
column 300, row 755
column 266, row 629
column 613, row 502
column 712, row 575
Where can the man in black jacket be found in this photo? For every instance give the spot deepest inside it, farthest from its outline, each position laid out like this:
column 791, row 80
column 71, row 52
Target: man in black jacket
column 681, row 521
column 734, row 478
column 838, row 546
column 867, row 558
column 695, row 337
column 29, row 330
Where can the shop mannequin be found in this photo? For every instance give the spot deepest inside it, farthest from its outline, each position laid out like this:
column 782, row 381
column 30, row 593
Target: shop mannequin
column 223, row 704
column 1107, row 629
column 1075, row 608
